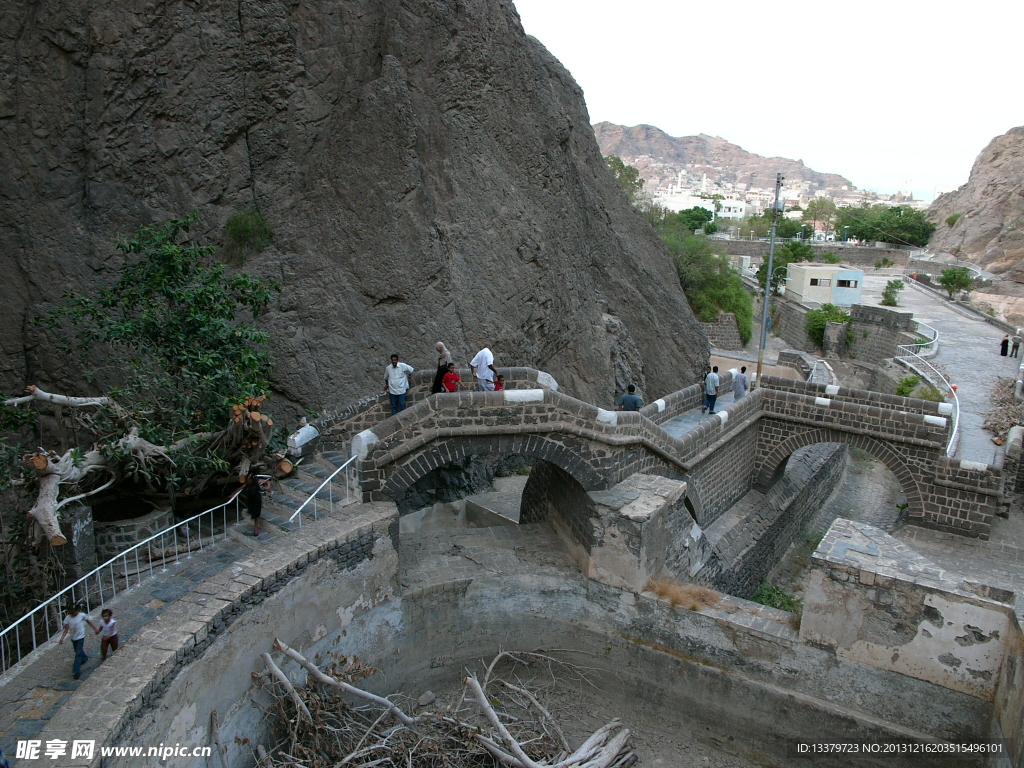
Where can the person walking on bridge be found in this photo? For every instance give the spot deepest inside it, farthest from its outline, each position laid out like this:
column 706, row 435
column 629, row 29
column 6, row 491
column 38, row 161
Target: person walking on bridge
column 482, row 366
column 711, row 382
column 396, row 383
column 631, row 400
column 740, row 384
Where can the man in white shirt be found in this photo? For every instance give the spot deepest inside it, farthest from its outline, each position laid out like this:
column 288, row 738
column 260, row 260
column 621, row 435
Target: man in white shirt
column 482, row 366
column 74, row 623
column 740, row 383
column 396, row 383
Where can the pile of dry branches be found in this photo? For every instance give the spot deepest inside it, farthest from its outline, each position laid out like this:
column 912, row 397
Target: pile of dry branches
column 493, row 721
column 1006, row 412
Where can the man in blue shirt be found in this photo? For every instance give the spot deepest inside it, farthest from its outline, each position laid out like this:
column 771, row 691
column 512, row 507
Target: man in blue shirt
column 631, row 400
column 711, row 382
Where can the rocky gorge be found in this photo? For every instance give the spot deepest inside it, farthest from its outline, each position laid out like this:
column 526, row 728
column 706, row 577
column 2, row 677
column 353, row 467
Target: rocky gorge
column 428, row 171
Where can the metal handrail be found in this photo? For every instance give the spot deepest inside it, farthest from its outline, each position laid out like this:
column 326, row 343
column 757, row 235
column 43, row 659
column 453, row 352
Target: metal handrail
column 81, row 592
column 348, row 485
column 925, row 348
column 914, row 362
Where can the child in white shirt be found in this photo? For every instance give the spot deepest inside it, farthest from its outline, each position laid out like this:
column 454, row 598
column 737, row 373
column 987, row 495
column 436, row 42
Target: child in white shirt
column 108, row 633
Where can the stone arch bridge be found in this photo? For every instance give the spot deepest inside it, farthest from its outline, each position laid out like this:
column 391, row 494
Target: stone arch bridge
column 721, row 459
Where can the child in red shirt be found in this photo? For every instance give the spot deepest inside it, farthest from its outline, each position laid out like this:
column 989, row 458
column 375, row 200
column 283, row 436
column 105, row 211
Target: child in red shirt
column 499, row 383
column 451, row 380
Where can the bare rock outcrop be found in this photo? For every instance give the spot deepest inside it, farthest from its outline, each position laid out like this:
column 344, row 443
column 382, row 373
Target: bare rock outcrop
column 721, row 160
column 428, row 170
column 987, row 213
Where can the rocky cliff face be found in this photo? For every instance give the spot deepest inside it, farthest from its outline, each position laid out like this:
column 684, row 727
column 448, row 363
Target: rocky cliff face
column 719, row 159
column 989, row 228
column 429, row 172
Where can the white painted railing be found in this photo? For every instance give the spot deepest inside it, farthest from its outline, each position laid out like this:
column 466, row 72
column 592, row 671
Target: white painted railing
column 925, row 348
column 116, row 576
column 330, row 492
column 913, row 362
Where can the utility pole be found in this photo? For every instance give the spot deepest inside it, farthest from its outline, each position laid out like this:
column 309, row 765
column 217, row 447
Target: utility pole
column 768, row 278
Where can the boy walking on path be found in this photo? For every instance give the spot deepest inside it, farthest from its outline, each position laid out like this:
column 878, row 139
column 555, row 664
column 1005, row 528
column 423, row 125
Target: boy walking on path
column 74, row 624
column 396, row 383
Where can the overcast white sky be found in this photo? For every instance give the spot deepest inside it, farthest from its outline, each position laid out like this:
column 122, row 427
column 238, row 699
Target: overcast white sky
column 880, row 91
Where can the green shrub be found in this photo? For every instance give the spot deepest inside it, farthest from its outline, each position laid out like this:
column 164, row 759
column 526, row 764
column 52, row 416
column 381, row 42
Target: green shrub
column 952, row 219
column 817, row 319
column 246, row 232
column 928, row 392
column 890, row 294
column 906, row 385
column 774, row 597
column 885, row 262
column 830, row 258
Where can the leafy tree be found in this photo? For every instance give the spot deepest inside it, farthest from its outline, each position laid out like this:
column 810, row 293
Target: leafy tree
column 901, row 224
column 829, row 258
column 627, row 177
column 955, row 279
column 817, row 319
column 697, row 218
column 891, row 293
column 821, row 209
column 786, row 227
column 171, row 339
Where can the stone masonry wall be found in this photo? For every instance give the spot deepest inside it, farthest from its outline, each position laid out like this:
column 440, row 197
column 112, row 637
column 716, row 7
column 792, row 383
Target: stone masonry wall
column 876, row 332
column 874, row 600
column 552, row 495
column 856, row 396
column 724, row 333
column 115, row 537
column 760, row 532
column 789, row 323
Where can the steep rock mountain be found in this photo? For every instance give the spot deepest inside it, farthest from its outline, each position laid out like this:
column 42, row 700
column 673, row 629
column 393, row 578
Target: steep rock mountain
column 720, row 159
column 429, row 172
column 989, row 228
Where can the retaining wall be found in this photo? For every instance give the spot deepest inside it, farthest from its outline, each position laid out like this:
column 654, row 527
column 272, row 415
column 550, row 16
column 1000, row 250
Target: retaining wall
column 115, row 537
column 724, row 333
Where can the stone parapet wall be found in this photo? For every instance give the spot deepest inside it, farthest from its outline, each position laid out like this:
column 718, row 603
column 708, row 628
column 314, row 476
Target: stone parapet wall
column 857, row 396
column 724, row 333
column 849, row 254
column 336, row 427
column 210, row 635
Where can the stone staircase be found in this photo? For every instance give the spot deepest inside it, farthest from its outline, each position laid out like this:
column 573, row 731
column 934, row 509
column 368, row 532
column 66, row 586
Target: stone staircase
column 289, row 494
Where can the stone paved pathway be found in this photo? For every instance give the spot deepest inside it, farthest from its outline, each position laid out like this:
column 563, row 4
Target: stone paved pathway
column 33, row 695
column 968, row 355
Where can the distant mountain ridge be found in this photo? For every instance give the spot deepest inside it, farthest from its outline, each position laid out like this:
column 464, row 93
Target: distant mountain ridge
column 719, row 159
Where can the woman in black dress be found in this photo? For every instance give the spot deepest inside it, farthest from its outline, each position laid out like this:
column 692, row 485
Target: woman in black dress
column 443, row 358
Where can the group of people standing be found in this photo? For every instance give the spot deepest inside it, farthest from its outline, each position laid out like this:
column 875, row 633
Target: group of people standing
column 1015, row 340
column 446, row 378
column 630, row 400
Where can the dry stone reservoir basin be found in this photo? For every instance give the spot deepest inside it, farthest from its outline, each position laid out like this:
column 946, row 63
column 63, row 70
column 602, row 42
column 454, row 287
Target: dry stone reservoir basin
column 729, row 685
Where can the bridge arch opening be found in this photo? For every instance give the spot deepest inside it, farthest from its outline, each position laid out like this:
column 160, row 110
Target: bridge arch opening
column 774, row 465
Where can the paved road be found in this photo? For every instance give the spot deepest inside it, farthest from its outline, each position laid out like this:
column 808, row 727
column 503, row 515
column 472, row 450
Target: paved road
column 968, row 356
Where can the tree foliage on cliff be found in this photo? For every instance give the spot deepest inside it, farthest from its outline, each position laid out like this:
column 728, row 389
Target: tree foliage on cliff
column 627, row 177
column 172, row 337
column 709, row 281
